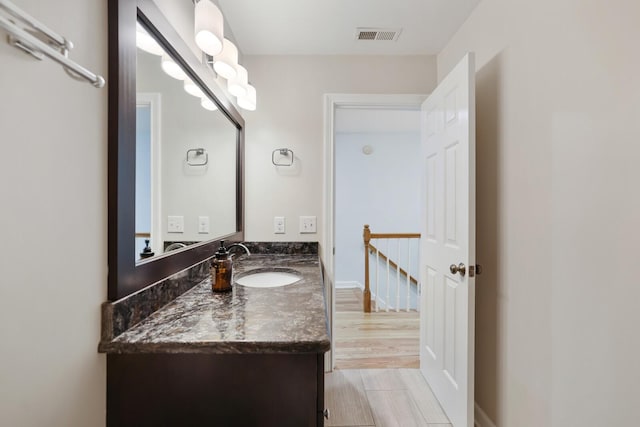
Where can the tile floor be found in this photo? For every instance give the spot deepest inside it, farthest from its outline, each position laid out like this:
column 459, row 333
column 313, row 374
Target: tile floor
column 381, row 398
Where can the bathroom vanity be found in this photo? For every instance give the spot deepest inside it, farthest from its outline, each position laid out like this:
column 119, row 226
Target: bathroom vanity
column 252, row 356
column 177, row 353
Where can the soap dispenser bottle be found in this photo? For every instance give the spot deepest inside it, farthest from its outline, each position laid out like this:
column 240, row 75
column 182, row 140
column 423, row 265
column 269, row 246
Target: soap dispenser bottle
column 221, row 270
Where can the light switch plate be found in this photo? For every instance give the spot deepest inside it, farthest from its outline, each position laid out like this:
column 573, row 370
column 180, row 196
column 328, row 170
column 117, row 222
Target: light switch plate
column 175, row 224
column 307, row 224
column 278, row 225
column 203, row 224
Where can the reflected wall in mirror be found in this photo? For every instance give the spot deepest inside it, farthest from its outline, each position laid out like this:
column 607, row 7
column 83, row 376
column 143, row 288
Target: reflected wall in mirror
column 185, row 160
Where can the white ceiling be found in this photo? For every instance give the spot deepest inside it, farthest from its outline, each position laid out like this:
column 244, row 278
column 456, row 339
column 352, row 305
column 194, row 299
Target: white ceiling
column 328, row 27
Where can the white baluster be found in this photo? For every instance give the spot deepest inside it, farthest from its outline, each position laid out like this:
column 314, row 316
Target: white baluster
column 386, row 303
column 419, row 287
column 377, row 276
column 398, row 278
column 408, row 274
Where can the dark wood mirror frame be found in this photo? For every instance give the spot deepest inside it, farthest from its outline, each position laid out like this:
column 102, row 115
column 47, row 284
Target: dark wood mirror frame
column 125, row 275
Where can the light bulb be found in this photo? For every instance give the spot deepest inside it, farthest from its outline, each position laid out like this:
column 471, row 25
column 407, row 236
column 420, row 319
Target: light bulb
column 238, row 85
column 192, row 89
column 226, row 62
column 249, row 101
column 147, row 43
column 209, row 27
column 170, row 67
column 208, row 104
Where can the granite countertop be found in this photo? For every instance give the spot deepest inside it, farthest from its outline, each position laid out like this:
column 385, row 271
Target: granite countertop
column 287, row 319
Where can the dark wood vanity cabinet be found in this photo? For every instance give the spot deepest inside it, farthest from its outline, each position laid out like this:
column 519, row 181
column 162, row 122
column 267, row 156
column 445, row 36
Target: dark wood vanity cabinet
column 215, row 390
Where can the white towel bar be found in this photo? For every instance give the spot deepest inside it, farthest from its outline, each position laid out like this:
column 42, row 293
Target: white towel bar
column 28, row 42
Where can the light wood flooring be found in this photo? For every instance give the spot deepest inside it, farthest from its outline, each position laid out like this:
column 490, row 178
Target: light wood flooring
column 382, row 398
column 373, row 340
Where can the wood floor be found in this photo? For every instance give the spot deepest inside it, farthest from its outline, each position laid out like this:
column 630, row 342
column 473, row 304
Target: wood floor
column 373, row 340
column 382, row 398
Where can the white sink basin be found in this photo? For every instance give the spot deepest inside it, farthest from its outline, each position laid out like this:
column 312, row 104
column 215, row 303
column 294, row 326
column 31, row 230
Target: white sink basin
column 268, row 278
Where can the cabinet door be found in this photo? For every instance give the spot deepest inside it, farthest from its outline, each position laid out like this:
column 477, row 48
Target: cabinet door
column 201, row 389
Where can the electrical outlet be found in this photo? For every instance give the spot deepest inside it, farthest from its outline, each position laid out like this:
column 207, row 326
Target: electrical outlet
column 278, row 225
column 203, row 224
column 175, row 224
column 307, row 224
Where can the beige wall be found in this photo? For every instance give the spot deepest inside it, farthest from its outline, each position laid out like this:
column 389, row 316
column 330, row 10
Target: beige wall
column 53, row 192
column 290, row 114
column 558, row 102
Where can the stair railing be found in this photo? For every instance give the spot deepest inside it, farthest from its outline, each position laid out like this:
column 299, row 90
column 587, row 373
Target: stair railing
column 390, row 265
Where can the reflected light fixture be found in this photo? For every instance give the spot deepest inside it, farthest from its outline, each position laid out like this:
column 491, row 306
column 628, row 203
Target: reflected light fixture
column 237, row 86
column 249, row 101
column 170, row 67
column 192, row 89
column 208, row 104
column 147, row 43
column 226, row 62
column 209, row 27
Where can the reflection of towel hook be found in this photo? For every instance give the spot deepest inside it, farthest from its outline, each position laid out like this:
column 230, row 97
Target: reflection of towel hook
column 199, row 152
column 284, row 152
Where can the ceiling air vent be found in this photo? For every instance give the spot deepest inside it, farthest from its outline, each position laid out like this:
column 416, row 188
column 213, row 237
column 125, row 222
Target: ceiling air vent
column 383, row 34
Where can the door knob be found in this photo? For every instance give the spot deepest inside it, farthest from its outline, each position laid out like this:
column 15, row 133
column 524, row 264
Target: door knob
column 460, row 268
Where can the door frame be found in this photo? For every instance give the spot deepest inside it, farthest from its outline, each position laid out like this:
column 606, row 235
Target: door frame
column 154, row 101
column 331, row 102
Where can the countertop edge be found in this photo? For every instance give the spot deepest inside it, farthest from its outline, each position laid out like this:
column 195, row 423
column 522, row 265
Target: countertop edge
column 228, row 347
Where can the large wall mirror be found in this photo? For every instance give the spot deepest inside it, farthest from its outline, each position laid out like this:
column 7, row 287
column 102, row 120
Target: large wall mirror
column 175, row 153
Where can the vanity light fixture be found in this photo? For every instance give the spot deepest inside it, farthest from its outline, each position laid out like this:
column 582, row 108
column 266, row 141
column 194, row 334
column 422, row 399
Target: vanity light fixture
column 147, row 43
column 208, row 104
column 248, row 102
column 238, row 85
column 226, row 62
column 192, row 89
column 209, row 27
column 170, row 67
column 209, row 36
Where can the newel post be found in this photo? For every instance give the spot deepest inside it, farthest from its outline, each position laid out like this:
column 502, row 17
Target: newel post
column 366, row 294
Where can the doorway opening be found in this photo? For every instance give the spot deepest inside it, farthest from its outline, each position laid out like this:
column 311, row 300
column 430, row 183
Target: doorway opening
column 347, row 118
column 377, row 184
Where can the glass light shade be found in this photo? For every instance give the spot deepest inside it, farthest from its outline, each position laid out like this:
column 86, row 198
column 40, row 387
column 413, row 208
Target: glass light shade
column 249, row 101
column 226, row 62
column 209, row 27
column 208, row 104
column 170, row 67
column 192, row 89
column 237, row 86
column 147, row 43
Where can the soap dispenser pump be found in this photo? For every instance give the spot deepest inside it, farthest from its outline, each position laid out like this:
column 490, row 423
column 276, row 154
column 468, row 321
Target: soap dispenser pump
column 221, row 270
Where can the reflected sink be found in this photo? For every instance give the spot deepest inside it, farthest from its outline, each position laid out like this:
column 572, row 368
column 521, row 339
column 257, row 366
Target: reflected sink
column 268, row 278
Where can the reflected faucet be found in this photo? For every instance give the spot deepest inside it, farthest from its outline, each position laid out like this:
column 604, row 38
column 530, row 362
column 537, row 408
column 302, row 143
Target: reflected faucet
column 240, row 245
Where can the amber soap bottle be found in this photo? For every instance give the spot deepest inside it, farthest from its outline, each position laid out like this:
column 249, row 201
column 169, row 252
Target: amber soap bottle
column 221, row 270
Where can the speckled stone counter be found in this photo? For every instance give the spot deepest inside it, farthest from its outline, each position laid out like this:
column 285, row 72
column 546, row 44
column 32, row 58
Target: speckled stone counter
column 287, row 319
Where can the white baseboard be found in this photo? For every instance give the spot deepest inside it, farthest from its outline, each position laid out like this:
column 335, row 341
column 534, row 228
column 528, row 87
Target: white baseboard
column 348, row 284
column 481, row 419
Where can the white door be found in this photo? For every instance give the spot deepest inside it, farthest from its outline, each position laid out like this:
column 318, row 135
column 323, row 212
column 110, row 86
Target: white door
column 448, row 230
